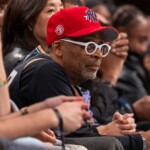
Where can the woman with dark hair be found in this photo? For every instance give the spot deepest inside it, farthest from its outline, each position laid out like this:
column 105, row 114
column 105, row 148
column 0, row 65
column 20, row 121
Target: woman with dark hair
column 24, row 24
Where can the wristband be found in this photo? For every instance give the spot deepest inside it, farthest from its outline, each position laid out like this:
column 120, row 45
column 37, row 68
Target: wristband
column 59, row 118
column 3, row 83
column 59, row 132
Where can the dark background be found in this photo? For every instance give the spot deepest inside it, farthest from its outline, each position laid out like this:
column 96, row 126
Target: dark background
column 144, row 5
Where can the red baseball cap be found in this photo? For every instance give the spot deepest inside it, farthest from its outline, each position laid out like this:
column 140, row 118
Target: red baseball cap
column 77, row 22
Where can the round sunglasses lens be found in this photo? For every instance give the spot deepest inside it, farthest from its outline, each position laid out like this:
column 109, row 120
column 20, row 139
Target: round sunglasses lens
column 91, row 48
column 104, row 50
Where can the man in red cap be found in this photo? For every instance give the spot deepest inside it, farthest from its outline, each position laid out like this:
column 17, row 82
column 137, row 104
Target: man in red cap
column 76, row 44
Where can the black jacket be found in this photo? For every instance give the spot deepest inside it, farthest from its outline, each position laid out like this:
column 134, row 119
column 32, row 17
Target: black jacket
column 133, row 82
column 12, row 59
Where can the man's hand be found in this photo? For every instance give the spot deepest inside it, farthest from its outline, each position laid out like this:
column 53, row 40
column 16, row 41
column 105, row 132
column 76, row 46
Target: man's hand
column 120, row 46
column 112, row 64
column 125, row 122
column 120, row 125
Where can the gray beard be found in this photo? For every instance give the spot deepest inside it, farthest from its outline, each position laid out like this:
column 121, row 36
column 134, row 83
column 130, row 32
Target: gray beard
column 88, row 75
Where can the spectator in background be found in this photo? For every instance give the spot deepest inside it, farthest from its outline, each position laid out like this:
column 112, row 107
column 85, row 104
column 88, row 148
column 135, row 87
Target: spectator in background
column 71, row 3
column 146, row 60
column 101, row 9
column 133, row 83
column 23, row 24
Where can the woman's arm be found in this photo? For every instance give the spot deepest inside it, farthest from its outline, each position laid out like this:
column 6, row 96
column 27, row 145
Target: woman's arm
column 33, row 123
column 4, row 94
column 28, row 125
column 48, row 103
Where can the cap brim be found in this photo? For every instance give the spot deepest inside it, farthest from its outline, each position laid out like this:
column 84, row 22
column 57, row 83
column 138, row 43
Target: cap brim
column 109, row 33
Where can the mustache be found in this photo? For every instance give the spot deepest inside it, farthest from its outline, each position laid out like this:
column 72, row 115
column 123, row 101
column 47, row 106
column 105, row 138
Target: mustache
column 95, row 62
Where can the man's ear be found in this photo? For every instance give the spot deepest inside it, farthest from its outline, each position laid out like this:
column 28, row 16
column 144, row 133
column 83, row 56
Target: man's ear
column 57, row 48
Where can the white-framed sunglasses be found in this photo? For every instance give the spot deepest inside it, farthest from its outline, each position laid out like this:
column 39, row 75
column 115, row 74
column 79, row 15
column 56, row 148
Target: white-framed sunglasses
column 91, row 47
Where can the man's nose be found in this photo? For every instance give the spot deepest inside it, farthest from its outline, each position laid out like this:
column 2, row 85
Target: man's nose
column 97, row 53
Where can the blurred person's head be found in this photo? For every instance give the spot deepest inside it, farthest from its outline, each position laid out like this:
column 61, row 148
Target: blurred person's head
column 25, row 22
column 129, row 19
column 83, row 2
column 3, row 4
column 101, row 9
column 148, row 18
column 77, row 41
column 71, row 3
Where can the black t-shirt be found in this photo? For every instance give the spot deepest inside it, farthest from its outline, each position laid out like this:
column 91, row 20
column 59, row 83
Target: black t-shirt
column 41, row 79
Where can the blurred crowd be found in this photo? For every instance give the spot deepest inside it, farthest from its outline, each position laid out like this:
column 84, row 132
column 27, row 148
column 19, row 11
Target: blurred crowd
column 74, row 75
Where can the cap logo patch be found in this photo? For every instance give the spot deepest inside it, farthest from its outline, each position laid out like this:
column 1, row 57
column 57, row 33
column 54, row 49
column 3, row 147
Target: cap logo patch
column 91, row 16
column 59, row 30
